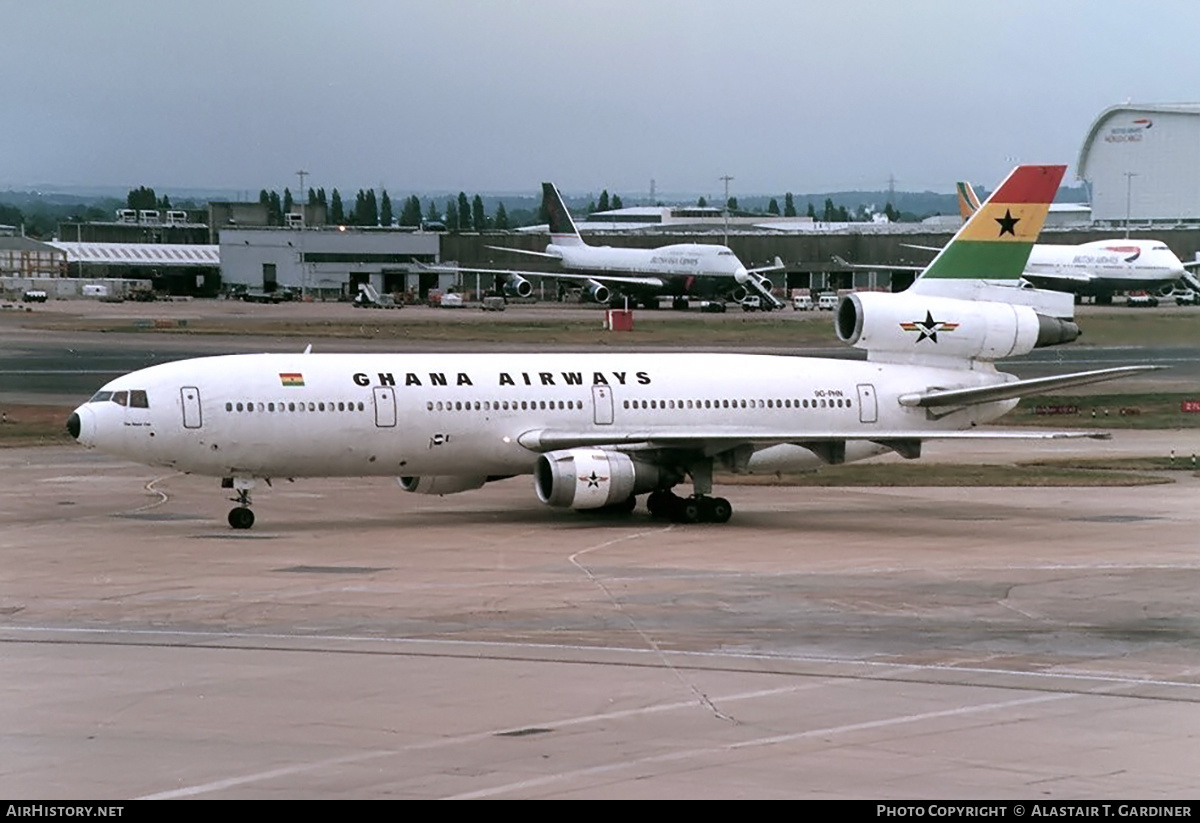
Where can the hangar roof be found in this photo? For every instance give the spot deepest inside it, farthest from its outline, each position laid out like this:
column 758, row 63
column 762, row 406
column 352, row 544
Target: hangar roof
column 175, row 255
column 1126, row 108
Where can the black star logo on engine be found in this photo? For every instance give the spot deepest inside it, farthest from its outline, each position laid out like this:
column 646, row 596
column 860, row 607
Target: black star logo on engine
column 928, row 328
column 1007, row 223
column 593, row 481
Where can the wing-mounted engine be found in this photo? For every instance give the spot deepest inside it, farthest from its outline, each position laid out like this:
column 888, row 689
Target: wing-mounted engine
column 915, row 326
column 591, row 478
column 441, row 483
column 596, row 292
column 517, row 286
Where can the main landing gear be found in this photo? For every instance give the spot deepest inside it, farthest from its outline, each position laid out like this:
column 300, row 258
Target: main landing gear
column 240, row 517
column 699, row 508
column 695, row 509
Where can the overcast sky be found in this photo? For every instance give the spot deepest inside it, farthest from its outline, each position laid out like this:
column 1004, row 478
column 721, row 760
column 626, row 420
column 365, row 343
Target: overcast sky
column 784, row 95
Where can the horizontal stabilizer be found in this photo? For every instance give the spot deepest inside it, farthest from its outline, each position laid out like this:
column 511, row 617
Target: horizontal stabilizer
column 1018, row 388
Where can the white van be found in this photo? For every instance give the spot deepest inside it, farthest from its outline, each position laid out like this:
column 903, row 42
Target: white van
column 802, row 302
column 827, row 301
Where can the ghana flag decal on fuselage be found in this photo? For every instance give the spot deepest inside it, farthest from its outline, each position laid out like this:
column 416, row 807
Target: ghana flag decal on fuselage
column 291, row 379
column 994, row 244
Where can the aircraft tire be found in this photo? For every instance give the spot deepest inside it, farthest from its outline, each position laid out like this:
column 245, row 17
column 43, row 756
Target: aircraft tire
column 661, row 503
column 719, row 510
column 241, row 518
column 688, row 510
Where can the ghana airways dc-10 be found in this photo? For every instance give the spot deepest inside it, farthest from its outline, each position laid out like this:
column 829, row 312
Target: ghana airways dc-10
column 596, row 430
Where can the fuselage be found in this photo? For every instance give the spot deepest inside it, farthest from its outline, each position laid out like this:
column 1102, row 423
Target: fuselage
column 1104, row 266
column 314, row 415
column 684, row 268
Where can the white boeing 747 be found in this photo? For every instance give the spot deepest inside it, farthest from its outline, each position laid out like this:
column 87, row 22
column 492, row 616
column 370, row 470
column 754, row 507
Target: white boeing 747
column 596, row 430
column 680, row 271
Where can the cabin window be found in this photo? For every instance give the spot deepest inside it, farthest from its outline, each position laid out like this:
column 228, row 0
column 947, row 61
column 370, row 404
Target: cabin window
column 228, row 407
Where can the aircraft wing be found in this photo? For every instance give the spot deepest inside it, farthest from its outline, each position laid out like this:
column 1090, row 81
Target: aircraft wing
column 1191, row 264
column 715, row 442
column 921, row 248
column 1062, row 278
column 906, row 442
column 633, row 280
column 879, row 267
column 525, row 251
column 776, row 266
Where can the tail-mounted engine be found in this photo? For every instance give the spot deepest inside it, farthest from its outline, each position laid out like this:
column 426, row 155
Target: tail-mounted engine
column 440, row 484
column 591, row 478
column 910, row 324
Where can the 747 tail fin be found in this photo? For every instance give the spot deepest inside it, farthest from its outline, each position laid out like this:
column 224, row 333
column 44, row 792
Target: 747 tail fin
column 562, row 227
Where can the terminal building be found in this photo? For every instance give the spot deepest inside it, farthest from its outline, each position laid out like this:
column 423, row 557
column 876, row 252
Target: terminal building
column 1142, row 165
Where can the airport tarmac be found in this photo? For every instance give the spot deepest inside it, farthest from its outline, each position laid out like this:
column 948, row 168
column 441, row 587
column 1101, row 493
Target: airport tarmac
column 361, row 642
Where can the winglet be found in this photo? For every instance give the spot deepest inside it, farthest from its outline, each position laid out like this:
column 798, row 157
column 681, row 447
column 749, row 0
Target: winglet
column 562, row 227
column 994, row 244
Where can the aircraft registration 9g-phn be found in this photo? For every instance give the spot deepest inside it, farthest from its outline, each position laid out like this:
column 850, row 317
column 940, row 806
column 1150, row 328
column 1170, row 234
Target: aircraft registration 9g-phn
column 595, row 430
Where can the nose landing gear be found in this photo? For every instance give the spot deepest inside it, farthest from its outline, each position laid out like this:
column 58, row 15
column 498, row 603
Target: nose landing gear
column 240, row 517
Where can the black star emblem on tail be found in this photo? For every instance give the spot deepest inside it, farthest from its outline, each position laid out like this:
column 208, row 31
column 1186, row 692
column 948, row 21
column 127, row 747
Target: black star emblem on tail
column 1007, row 223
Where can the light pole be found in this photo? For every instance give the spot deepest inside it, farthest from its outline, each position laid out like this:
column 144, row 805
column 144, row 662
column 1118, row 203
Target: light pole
column 726, row 178
column 1129, row 175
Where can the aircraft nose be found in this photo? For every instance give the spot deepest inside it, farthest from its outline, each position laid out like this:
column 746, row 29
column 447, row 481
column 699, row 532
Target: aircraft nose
column 740, row 274
column 82, row 426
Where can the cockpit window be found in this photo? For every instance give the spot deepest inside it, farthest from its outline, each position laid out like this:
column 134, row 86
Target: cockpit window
column 121, row 398
column 138, row 399
column 101, row 397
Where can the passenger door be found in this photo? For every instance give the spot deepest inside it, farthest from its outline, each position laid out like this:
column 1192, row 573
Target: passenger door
column 385, row 406
column 868, row 410
column 602, row 402
column 190, row 401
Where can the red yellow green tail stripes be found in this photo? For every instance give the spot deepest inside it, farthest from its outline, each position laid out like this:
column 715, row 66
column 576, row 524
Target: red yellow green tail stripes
column 995, row 242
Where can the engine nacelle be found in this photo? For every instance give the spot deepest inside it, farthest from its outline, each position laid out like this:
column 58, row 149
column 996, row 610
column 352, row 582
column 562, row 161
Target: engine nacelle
column 596, row 292
column 441, row 483
column 591, row 478
column 766, row 283
column 911, row 324
column 517, row 286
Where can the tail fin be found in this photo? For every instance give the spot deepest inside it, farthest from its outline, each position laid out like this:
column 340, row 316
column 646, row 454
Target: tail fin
column 986, row 259
column 562, row 227
column 968, row 201
column 994, row 244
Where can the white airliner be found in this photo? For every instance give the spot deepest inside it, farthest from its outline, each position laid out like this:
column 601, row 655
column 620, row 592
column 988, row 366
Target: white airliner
column 681, row 271
column 595, row 430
